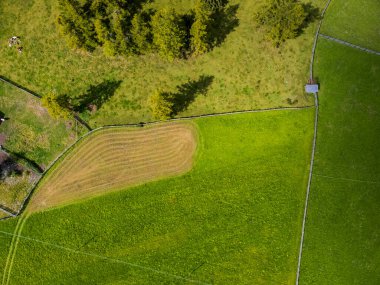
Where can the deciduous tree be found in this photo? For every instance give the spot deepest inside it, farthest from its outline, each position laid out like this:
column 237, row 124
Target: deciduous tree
column 282, row 19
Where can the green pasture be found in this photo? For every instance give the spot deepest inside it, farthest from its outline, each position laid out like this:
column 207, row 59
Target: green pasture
column 234, row 219
column 355, row 21
column 245, row 72
column 342, row 243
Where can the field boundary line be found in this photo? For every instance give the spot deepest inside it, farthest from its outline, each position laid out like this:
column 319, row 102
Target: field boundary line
column 7, row 212
column 347, row 179
column 314, row 145
column 18, row 236
column 342, row 42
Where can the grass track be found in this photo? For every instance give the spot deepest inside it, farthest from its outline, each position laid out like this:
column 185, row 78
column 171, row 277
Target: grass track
column 223, row 222
column 114, row 158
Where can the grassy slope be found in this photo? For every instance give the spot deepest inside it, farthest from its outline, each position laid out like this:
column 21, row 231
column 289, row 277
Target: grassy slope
column 30, row 130
column 235, row 218
column 32, row 134
column 248, row 72
column 356, row 21
column 343, row 228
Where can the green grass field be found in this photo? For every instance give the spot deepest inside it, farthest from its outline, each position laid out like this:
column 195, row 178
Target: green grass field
column 247, row 72
column 201, row 226
column 342, row 244
column 355, row 21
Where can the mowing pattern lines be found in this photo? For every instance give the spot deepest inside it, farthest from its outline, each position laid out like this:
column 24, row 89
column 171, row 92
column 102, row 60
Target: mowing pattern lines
column 114, row 158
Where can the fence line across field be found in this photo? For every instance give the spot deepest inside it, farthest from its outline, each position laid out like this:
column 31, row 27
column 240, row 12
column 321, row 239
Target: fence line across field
column 314, row 145
column 349, row 44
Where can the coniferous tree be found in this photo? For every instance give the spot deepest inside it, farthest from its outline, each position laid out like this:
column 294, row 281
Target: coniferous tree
column 161, row 104
column 55, row 105
column 168, row 35
column 141, row 32
column 200, row 38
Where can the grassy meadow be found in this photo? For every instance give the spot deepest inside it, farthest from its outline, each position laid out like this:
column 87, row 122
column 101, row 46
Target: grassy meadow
column 247, row 72
column 355, row 21
column 33, row 139
column 30, row 131
column 342, row 244
column 202, row 227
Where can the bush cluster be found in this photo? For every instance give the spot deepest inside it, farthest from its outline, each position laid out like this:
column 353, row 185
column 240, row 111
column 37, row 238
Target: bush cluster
column 127, row 27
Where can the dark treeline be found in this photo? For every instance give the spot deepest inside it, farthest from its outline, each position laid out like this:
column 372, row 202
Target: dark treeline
column 129, row 27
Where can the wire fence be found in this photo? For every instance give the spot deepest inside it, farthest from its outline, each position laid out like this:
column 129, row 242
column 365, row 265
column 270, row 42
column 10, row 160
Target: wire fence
column 314, row 145
column 349, row 44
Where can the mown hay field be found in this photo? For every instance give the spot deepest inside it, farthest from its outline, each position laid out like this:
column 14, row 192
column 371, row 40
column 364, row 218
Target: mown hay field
column 247, row 71
column 235, row 218
column 343, row 226
column 114, row 158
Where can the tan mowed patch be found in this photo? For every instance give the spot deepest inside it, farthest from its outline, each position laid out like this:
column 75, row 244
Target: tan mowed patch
column 111, row 159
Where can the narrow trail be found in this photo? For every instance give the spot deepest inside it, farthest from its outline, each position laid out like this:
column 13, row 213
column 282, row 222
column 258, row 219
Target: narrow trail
column 314, row 145
column 349, row 44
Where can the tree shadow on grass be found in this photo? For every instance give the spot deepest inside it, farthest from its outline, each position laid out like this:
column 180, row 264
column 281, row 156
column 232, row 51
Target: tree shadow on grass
column 96, row 95
column 312, row 14
column 188, row 92
column 224, row 21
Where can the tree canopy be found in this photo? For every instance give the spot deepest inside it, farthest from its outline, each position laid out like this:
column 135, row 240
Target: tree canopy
column 161, row 104
column 55, row 105
column 282, row 19
column 130, row 27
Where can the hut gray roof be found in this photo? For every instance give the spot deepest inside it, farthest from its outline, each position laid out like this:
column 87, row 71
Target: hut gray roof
column 311, row 88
